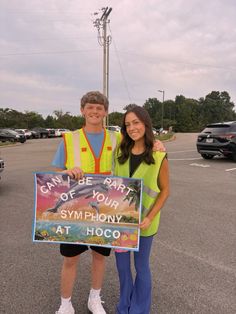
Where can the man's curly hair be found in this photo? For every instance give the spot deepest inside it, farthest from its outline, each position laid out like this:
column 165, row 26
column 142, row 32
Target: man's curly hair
column 94, row 97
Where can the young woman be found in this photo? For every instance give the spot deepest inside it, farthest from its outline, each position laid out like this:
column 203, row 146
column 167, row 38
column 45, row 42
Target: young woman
column 136, row 159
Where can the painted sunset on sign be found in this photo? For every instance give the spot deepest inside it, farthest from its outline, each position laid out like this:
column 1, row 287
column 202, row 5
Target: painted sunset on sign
column 97, row 208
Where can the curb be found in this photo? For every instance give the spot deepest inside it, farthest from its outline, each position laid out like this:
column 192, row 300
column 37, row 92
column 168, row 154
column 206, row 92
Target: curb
column 173, row 138
column 10, row 145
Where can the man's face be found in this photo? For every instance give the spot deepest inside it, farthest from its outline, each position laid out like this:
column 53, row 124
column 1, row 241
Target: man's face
column 94, row 114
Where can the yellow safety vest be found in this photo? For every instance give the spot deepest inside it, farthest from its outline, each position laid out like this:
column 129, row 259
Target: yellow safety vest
column 79, row 152
column 149, row 174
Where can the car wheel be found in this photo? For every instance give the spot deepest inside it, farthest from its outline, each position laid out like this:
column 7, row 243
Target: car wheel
column 206, row 156
column 234, row 157
column 44, row 135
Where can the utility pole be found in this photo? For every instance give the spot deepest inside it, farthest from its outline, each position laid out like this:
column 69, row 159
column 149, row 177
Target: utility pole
column 162, row 107
column 104, row 40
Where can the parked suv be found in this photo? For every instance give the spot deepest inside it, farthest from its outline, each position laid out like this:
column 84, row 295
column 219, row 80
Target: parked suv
column 218, row 139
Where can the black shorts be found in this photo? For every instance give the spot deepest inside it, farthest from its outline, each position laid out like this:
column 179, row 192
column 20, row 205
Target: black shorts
column 71, row 250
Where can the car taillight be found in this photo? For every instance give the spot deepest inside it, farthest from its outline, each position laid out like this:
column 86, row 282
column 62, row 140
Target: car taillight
column 228, row 136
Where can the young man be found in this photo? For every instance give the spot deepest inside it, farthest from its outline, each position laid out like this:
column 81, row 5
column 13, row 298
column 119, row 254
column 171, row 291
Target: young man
column 88, row 150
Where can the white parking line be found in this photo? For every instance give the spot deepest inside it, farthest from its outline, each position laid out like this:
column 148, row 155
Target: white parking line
column 185, row 159
column 199, row 165
column 182, row 151
column 232, row 169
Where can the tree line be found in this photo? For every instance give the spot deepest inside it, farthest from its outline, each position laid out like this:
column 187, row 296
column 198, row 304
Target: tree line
column 183, row 114
column 191, row 115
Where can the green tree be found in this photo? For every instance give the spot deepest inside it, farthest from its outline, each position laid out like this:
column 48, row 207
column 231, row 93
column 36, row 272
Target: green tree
column 11, row 118
column 3, row 117
column 67, row 121
column 50, row 122
column 216, row 107
column 187, row 115
column 115, row 118
column 33, row 119
column 154, row 108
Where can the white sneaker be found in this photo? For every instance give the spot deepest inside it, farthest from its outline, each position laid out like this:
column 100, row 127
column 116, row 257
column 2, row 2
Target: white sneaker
column 95, row 305
column 68, row 309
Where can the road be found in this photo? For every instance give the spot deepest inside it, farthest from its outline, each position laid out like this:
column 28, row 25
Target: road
column 193, row 258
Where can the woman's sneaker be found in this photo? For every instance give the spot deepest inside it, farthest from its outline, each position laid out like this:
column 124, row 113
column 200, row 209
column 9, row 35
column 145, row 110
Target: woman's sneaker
column 95, row 305
column 66, row 309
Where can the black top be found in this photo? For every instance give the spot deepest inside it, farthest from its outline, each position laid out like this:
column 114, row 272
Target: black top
column 135, row 161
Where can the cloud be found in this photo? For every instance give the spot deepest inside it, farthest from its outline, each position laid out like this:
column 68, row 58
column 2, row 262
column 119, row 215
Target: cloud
column 50, row 55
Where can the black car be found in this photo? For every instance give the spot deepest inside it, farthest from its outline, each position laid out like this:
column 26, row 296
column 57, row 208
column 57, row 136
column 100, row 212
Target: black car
column 8, row 135
column 35, row 134
column 218, row 139
column 41, row 132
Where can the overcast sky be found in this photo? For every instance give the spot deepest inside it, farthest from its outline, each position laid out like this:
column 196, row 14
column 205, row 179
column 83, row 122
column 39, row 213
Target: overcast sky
column 50, row 55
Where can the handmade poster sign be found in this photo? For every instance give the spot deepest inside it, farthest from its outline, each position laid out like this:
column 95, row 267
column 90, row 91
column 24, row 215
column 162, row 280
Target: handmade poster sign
column 96, row 210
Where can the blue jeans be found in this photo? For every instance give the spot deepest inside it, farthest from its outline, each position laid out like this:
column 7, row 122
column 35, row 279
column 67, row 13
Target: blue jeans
column 135, row 297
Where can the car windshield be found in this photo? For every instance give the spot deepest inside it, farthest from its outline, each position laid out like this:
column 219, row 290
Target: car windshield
column 217, row 129
column 10, row 131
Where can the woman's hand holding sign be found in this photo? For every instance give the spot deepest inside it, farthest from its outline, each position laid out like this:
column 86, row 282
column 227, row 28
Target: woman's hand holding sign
column 145, row 223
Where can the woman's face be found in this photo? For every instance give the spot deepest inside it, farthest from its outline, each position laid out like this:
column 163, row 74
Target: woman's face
column 134, row 127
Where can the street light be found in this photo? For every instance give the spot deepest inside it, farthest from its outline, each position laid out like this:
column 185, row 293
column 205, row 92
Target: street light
column 162, row 107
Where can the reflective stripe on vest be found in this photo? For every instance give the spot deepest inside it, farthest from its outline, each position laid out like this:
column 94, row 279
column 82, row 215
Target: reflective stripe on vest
column 150, row 192
column 149, row 174
column 79, row 152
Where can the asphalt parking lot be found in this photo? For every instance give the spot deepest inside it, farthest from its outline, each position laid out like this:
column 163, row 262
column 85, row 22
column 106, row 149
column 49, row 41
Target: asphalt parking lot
column 194, row 254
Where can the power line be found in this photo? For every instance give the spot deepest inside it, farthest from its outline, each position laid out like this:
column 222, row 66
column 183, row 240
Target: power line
column 121, row 69
column 46, row 52
column 47, row 38
column 176, row 61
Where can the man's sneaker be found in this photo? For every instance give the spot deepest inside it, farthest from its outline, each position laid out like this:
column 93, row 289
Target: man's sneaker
column 95, row 305
column 68, row 309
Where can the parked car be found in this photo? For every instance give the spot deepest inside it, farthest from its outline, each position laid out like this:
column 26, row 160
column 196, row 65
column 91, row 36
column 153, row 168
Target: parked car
column 162, row 131
column 155, row 132
column 113, row 128
column 59, row 132
column 218, row 139
column 35, row 134
column 42, row 132
column 26, row 132
column 1, row 166
column 51, row 132
column 8, row 135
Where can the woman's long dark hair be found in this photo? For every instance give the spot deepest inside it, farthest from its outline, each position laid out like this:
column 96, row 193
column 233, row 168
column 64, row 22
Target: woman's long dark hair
column 127, row 143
